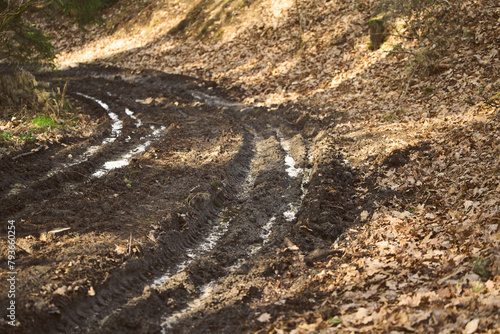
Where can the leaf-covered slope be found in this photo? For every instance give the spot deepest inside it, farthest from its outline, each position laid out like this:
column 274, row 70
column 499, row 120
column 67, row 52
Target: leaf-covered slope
column 422, row 260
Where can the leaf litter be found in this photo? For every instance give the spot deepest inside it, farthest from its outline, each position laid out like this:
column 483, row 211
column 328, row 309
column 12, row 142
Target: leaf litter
column 425, row 259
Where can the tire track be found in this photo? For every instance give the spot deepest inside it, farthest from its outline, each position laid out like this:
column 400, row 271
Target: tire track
column 250, row 231
column 217, row 286
column 118, row 290
column 233, row 216
column 90, row 155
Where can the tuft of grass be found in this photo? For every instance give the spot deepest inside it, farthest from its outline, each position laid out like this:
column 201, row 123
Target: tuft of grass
column 480, row 268
column 477, row 287
column 44, row 121
column 6, row 136
column 128, row 182
column 192, row 197
column 390, row 117
column 215, row 184
column 28, row 136
column 335, row 320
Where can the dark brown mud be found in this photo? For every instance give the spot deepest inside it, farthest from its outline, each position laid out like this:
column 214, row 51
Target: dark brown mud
column 209, row 200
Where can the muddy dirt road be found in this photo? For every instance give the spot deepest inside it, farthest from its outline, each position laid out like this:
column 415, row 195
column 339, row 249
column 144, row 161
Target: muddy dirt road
column 180, row 208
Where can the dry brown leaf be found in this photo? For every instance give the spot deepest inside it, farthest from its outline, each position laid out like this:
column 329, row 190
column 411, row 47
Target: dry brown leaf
column 264, row 317
column 471, row 327
column 361, row 315
column 61, row 291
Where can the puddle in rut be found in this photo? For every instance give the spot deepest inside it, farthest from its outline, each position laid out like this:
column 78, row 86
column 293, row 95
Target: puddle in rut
column 293, row 172
column 205, row 292
column 213, row 100
column 218, row 102
column 116, row 125
column 124, row 160
column 289, row 161
column 116, row 129
column 265, row 234
column 130, row 113
column 208, row 289
column 220, row 227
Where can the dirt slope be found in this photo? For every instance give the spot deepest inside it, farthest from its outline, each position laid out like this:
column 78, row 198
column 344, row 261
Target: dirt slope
column 347, row 190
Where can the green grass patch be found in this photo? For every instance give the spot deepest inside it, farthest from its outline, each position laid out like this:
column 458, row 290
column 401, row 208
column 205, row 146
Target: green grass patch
column 215, row 184
column 128, row 182
column 335, row 320
column 44, row 121
column 480, row 268
column 6, row 136
column 390, row 117
column 27, row 137
column 477, row 287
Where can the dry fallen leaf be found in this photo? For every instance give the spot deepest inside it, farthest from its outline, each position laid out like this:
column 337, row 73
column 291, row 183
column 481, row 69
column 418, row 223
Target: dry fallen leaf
column 61, row 291
column 121, row 249
column 471, row 326
column 364, row 215
column 412, row 301
column 460, row 154
column 430, row 216
column 361, row 315
column 468, row 204
column 264, row 317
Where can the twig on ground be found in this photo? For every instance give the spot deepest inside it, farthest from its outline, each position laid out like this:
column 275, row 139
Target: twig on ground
column 29, row 153
column 130, row 244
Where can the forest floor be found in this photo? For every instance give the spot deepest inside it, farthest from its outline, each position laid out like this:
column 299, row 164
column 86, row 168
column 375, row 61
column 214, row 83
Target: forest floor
column 273, row 174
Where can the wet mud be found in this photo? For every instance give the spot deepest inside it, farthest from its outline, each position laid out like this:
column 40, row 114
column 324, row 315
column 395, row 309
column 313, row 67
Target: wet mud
column 177, row 211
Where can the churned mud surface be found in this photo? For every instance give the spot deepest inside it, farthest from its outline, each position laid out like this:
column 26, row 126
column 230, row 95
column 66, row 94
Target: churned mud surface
column 186, row 212
column 174, row 214
column 355, row 190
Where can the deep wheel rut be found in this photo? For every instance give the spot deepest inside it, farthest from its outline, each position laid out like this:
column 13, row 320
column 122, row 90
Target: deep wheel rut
column 205, row 191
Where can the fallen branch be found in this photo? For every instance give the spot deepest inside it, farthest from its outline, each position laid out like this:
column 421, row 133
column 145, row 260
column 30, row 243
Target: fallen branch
column 130, row 244
column 33, row 151
column 62, row 97
column 301, row 26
